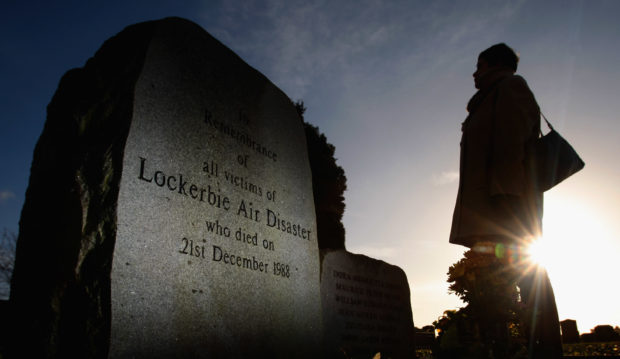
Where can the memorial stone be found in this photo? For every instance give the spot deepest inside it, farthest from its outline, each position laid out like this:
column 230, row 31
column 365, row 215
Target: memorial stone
column 169, row 209
column 366, row 307
column 570, row 334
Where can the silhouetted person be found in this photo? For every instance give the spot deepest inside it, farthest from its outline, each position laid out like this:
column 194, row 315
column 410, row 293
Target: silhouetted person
column 497, row 201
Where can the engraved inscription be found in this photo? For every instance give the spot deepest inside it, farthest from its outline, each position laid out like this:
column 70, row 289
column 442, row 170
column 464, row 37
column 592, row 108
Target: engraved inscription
column 370, row 309
column 239, row 136
column 178, row 184
column 216, row 187
column 190, row 249
column 213, row 196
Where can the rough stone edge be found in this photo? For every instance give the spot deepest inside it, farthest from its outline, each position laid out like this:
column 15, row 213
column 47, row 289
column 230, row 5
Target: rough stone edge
column 376, row 262
column 60, row 291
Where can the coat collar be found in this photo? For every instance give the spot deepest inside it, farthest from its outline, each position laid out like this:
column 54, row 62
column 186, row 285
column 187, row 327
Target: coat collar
column 488, row 84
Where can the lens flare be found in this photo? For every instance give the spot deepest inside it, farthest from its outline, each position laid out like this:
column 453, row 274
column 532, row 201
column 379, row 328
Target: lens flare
column 538, row 252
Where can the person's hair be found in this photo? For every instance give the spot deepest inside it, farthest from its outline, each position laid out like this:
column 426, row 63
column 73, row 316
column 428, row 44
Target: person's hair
column 500, row 55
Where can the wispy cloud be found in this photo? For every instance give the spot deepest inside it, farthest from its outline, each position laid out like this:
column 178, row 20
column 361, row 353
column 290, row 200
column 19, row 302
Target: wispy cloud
column 444, row 178
column 345, row 46
column 6, row 195
column 299, row 43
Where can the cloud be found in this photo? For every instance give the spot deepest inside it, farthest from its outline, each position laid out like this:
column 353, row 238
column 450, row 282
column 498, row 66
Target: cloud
column 6, row 195
column 300, row 43
column 445, row 178
column 351, row 44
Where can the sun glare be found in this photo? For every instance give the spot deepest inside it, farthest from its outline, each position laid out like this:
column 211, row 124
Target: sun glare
column 539, row 253
column 578, row 253
column 572, row 237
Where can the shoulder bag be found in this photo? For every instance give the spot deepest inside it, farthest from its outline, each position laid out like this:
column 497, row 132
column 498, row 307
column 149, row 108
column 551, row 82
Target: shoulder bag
column 554, row 159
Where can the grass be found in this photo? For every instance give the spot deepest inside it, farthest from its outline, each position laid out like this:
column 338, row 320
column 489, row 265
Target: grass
column 583, row 350
column 592, row 349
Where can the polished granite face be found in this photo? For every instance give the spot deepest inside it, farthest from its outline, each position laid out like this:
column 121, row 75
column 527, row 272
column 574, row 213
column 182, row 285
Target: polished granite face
column 216, row 252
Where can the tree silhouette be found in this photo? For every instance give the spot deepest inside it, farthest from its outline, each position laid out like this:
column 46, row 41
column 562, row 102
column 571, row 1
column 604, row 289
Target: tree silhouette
column 328, row 182
column 605, row 333
column 493, row 319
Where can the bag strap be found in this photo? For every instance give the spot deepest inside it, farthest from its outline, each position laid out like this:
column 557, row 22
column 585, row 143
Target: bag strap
column 547, row 121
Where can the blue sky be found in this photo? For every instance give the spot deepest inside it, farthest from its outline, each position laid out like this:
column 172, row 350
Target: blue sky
column 387, row 82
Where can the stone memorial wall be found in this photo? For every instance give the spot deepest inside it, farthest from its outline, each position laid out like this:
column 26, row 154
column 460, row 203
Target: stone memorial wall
column 366, row 307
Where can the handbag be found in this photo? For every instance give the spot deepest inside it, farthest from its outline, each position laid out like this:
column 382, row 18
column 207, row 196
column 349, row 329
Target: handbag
column 554, row 159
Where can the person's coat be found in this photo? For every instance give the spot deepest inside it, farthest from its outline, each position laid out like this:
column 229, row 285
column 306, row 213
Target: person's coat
column 496, row 200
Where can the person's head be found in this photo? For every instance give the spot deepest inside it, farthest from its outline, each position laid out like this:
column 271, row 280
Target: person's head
column 496, row 57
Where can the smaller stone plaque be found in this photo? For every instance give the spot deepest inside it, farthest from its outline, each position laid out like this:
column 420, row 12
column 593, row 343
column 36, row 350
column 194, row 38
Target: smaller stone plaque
column 366, row 307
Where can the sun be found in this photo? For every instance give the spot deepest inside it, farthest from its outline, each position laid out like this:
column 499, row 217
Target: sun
column 567, row 230
column 578, row 252
column 573, row 237
column 540, row 252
